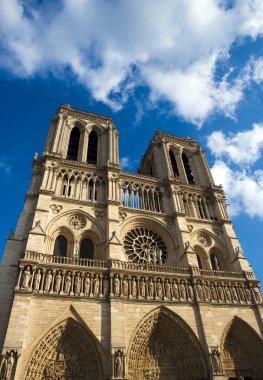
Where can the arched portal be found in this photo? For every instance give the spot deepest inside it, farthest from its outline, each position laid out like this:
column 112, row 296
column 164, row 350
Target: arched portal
column 165, row 348
column 242, row 351
column 66, row 352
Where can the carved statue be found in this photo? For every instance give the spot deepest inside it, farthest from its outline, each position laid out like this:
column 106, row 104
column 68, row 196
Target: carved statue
column 77, row 284
column 48, row 281
column 221, row 295
column 241, row 293
column 159, row 289
column 228, row 294
column 257, row 294
column 159, row 256
column 142, row 288
column 234, row 292
column 199, row 290
column 118, row 364
column 206, row 292
column 216, row 362
column 248, row 294
column 116, row 285
column 134, row 287
column 151, row 289
column 105, row 284
column 67, row 283
column 96, row 285
column 148, row 255
column 213, row 293
column 175, row 290
column 154, row 255
column 37, row 280
column 125, row 287
column 26, row 278
column 182, row 291
column 190, row 292
column 167, row 288
column 7, row 366
column 58, row 279
column 87, row 285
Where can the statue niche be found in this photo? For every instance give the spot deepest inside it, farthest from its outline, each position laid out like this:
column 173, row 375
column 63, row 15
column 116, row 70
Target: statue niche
column 165, row 348
column 66, row 352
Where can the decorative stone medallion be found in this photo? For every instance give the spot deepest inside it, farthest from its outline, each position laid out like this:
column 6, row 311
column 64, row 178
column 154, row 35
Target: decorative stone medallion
column 204, row 239
column 77, row 221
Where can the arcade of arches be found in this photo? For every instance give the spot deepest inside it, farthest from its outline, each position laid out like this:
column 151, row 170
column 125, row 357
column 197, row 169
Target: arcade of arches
column 163, row 347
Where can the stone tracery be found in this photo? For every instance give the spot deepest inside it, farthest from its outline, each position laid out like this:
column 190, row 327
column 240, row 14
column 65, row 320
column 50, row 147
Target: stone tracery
column 66, row 352
column 145, row 246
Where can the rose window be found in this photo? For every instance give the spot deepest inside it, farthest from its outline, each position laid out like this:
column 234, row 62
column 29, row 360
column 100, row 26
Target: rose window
column 145, row 246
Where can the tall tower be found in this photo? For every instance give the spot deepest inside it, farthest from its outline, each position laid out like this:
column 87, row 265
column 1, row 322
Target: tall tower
column 116, row 275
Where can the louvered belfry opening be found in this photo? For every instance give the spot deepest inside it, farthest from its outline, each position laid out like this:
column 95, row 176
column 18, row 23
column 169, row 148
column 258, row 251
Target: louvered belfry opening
column 92, row 148
column 73, row 145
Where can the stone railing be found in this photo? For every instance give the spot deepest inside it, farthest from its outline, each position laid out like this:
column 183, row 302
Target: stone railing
column 72, row 261
column 116, row 279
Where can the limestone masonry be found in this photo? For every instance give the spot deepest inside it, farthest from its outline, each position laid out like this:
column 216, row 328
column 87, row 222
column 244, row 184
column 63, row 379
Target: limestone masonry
column 116, row 275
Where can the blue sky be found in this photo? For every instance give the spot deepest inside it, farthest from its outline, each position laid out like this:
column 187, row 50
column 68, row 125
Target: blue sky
column 188, row 68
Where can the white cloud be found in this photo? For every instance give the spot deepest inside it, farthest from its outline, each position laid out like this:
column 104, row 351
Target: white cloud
column 112, row 46
column 5, row 166
column 243, row 148
column 244, row 189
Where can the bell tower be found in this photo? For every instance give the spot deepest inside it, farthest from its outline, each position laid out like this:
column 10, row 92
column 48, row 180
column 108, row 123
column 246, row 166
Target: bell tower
column 129, row 276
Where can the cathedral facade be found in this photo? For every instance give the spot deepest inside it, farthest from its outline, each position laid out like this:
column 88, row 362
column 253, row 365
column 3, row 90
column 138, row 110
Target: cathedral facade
column 117, row 275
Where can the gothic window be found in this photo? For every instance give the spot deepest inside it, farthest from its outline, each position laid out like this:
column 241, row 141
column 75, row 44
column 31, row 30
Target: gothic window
column 214, row 261
column 60, row 247
column 174, row 164
column 86, row 249
column 92, row 148
column 188, row 170
column 73, row 145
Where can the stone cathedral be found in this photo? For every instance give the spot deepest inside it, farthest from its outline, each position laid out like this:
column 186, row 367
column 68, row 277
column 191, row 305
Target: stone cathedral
column 117, row 275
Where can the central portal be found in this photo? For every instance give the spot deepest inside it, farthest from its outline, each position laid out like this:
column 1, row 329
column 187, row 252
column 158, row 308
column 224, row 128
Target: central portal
column 165, row 348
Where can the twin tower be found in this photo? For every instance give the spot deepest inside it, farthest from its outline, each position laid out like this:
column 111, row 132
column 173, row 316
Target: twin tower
column 116, row 275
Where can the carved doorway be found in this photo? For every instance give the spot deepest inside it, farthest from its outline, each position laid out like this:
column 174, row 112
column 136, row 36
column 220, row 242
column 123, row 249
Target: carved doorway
column 67, row 352
column 242, row 352
column 165, row 348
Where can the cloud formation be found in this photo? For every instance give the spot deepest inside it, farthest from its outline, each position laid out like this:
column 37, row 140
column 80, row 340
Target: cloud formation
column 243, row 184
column 113, row 46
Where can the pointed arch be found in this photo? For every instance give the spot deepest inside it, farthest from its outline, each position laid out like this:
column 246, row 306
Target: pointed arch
column 242, row 350
column 173, row 163
column 164, row 345
column 66, row 351
column 73, row 145
column 188, row 170
column 92, row 148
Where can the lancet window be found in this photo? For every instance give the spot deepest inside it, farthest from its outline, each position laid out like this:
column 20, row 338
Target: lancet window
column 198, row 206
column 92, row 148
column 82, row 186
column 73, row 145
column 86, row 250
column 60, row 246
column 188, row 170
column 174, row 164
column 143, row 197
